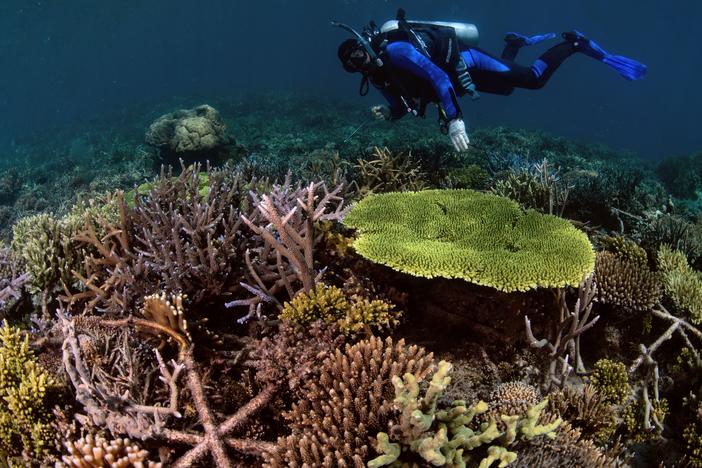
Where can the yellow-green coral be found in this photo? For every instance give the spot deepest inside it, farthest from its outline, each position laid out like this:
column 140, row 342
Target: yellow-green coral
column 610, row 380
column 682, row 284
column 482, row 238
column 452, row 437
column 693, row 444
column 27, row 391
column 330, row 304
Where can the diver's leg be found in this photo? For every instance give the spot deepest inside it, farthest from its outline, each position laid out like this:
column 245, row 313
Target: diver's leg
column 515, row 41
column 544, row 67
column 495, row 75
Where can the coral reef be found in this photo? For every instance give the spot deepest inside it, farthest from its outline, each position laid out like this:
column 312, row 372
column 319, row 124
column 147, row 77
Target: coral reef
column 625, row 249
column 464, row 234
column 175, row 239
column 121, row 295
column 564, row 344
column 537, row 186
column 284, row 221
column 294, row 353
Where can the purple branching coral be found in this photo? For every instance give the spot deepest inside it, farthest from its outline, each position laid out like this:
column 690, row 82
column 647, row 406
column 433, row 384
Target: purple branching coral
column 179, row 238
column 284, row 221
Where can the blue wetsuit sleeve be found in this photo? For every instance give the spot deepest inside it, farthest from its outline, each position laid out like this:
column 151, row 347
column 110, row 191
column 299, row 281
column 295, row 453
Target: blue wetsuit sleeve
column 404, row 56
column 397, row 109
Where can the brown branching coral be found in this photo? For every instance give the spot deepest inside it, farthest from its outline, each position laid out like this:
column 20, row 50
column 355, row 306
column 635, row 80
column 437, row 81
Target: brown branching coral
column 586, row 410
column 179, row 237
column 336, row 421
column 388, row 172
column 628, row 284
column 95, row 450
column 284, row 220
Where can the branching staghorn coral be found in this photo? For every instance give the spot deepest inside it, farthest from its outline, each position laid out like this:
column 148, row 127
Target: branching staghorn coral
column 336, row 420
column 389, row 172
column 451, row 437
column 564, row 347
column 538, row 186
column 122, row 415
column 285, row 220
column 644, row 368
column 178, row 238
column 117, row 397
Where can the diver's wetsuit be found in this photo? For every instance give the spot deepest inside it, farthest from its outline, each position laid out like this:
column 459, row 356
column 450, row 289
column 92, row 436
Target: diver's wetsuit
column 424, row 79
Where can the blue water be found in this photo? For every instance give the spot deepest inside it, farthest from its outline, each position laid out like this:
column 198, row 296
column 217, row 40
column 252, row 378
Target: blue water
column 66, row 62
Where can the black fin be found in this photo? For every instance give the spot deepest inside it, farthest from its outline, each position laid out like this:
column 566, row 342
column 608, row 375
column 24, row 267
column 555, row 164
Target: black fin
column 400, row 14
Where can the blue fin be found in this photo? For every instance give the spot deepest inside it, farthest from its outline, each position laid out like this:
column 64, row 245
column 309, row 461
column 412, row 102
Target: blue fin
column 522, row 40
column 625, row 66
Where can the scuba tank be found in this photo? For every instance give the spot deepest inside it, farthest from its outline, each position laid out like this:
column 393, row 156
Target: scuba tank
column 466, row 33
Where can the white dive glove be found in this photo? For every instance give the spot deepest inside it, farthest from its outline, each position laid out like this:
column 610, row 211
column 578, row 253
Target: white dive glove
column 381, row 112
column 458, row 135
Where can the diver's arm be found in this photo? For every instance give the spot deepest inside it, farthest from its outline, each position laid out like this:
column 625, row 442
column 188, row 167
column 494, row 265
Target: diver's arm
column 404, row 56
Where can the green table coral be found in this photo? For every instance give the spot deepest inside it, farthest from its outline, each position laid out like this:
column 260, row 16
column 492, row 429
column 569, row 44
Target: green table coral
column 485, row 239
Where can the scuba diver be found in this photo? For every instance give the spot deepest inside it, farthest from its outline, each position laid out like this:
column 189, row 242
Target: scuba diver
column 413, row 63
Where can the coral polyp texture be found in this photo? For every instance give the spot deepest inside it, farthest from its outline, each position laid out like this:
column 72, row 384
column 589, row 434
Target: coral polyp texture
column 485, row 239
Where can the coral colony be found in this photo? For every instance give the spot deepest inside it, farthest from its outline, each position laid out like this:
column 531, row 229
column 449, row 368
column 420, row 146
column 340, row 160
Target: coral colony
column 303, row 303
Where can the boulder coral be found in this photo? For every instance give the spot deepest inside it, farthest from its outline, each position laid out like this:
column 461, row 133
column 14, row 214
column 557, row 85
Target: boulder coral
column 188, row 130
